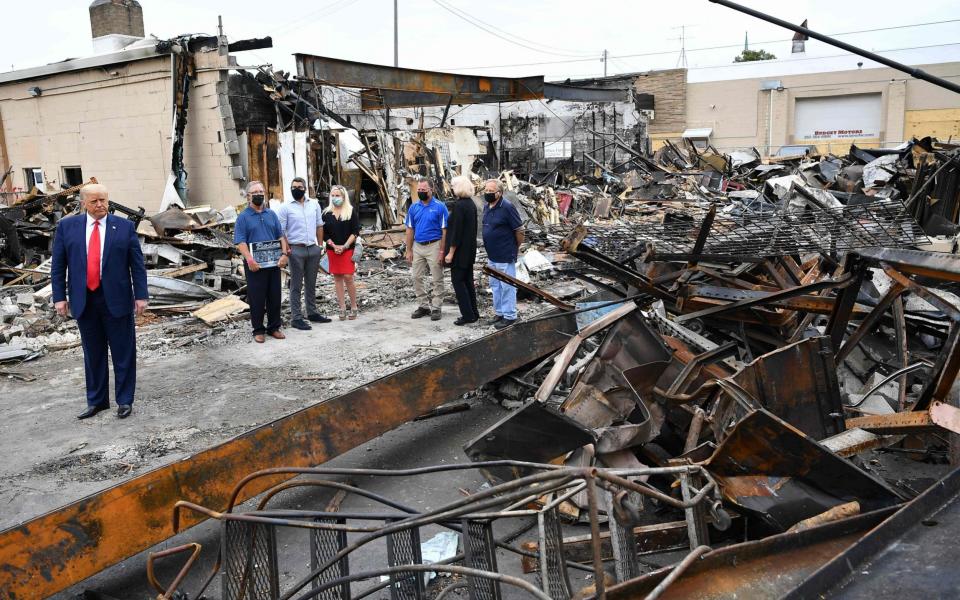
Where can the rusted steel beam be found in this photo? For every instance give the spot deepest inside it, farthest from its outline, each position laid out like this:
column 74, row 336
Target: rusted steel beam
column 801, row 290
column 938, row 265
column 347, row 73
column 49, row 553
column 808, row 303
column 938, row 415
column 379, row 98
column 744, row 570
column 565, row 306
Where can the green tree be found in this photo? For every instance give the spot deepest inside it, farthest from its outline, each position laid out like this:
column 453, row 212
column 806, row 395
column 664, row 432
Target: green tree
column 751, row 55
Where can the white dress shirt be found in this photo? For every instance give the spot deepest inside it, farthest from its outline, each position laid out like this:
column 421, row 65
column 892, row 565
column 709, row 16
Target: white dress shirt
column 103, row 237
column 299, row 220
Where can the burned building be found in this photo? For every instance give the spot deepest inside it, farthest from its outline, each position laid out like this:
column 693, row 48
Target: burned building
column 147, row 117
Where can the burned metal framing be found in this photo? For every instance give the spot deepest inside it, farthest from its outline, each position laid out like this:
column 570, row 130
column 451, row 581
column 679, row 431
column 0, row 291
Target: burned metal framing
column 48, row 553
column 506, row 500
column 394, row 87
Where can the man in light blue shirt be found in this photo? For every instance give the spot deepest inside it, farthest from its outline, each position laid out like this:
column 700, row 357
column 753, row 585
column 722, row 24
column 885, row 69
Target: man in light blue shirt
column 302, row 224
column 426, row 237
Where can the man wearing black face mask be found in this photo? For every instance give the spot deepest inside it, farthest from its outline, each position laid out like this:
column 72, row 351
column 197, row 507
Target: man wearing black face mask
column 257, row 223
column 426, row 237
column 302, row 222
column 502, row 237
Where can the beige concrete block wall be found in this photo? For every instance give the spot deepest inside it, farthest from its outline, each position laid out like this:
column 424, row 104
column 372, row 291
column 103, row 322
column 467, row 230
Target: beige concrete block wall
column 727, row 108
column 739, row 111
column 118, row 129
column 112, row 122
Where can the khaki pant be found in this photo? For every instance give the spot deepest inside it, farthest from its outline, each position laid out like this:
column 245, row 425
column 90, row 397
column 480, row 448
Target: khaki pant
column 426, row 257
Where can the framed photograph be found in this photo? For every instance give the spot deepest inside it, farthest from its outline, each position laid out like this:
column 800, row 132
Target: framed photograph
column 267, row 254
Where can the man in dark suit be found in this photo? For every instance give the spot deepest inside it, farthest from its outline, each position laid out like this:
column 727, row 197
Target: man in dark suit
column 98, row 265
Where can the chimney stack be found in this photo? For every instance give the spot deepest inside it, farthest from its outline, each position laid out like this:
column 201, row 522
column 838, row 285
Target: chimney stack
column 115, row 24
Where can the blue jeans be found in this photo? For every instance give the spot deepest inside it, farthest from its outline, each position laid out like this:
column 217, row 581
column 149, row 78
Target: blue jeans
column 504, row 294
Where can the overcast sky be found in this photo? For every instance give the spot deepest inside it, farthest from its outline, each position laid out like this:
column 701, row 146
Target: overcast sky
column 449, row 35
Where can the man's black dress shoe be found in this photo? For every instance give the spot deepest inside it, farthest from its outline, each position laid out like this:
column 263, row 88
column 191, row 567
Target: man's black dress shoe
column 300, row 324
column 319, row 319
column 123, row 411
column 91, row 410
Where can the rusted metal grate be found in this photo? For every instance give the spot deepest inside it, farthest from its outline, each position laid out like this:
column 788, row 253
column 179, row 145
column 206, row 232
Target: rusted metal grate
column 481, row 553
column 764, row 234
column 403, row 548
column 249, row 561
column 324, row 545
column 553, row 569
column 623, row 541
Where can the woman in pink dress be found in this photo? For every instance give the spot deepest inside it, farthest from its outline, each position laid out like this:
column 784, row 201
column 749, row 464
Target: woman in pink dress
column 341, row 226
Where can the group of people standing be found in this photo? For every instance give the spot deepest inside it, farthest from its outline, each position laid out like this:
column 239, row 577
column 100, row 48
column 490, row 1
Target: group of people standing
column 300, row 226
column 435, row 236
column 429, row 222
column 99, row 277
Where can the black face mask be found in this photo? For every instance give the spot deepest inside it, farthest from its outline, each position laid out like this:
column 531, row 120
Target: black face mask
column 423, row 195
column 298, row 193
column 490, row 197
column 257, row 199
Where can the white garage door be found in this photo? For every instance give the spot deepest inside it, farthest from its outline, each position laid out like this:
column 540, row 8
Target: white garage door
column 854, row 116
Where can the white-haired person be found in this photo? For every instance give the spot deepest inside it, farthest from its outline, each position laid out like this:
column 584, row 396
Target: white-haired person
column 341, row 226
column 462, row 249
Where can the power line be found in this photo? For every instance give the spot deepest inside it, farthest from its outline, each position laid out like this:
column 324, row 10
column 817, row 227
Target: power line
column 664, row 52
column 323, row 11
column 476, row 23
column 564, row 51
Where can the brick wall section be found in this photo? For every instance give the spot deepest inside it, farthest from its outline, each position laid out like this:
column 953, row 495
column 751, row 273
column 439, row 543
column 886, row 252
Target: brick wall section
column 117, row 16
column 669, row 89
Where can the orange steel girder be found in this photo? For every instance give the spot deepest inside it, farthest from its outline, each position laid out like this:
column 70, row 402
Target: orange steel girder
column 60, row 548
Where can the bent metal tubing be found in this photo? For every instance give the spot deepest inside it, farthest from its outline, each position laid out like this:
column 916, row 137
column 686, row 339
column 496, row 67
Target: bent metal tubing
column 457, row 570
column 457, row 509
column 449, row 512
column 167, row 593
column 270, row 493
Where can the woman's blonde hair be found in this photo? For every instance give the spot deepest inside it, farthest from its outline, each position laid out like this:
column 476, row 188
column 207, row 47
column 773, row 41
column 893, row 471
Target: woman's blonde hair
column 346, row 209
column 462, row 186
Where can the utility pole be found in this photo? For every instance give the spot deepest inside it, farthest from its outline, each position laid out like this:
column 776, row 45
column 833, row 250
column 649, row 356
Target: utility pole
column 396, row 54
column 604, row 59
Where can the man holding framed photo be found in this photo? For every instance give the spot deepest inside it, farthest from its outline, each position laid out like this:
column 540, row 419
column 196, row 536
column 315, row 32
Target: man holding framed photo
column 260, row 240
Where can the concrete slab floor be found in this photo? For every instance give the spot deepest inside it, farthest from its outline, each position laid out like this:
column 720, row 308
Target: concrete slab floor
column 189, row 400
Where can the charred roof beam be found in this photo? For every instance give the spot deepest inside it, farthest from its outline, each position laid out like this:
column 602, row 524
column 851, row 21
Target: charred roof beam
column 394, row 87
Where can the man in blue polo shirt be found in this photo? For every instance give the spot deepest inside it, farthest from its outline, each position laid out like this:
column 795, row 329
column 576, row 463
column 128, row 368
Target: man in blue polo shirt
column 257, row 223
column 502, row 236
column 426, row 236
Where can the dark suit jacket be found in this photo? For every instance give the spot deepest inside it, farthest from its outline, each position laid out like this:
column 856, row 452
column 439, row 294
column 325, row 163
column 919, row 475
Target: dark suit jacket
column 462, row 233
column 123, row 275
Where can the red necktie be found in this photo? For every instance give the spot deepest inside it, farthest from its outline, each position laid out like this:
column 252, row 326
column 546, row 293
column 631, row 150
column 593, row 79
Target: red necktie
column 93, row 258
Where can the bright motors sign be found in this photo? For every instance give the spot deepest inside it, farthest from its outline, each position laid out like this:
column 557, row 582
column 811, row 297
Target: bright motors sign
column 833, row 117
